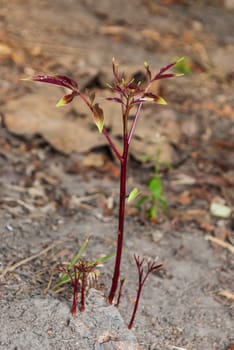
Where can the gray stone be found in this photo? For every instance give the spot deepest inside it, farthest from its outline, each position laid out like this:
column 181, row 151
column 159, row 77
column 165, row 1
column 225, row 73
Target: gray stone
column 46, row 324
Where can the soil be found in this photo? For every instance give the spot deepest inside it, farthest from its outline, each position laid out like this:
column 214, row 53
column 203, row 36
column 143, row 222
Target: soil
column 53, row 197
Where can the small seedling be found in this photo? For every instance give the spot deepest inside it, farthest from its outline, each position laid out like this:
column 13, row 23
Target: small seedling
column 80, row 274
column 154, row 199
column 131, row 96
column 184, row 66
column 144, row 268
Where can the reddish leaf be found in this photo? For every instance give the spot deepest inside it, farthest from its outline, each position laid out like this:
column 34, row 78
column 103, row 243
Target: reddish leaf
column 98, row 117
column 60, row 80
column 66, row 99
column 160, row 75
column 149, row 96
column 115, row 70
column 114, row 99
column 168, row 66
column 146, row 65
column 133, row 86
column 92, row 96
column 164, row 76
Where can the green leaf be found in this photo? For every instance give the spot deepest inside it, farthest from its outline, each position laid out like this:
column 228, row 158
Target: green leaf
column 64, row 278
column 161, row 101
column 79, row 254
column 104, row 258
column 155, row 187
column 163, row 204
column 152, row 212
column 62, row 281
column 141, row 201
column 133, row 194
column 183, row 66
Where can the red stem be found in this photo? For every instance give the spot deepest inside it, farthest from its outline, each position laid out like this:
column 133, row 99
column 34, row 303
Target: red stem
column 75, row 284
column 75, row 301
column 122, row 196
column 120, row 292
column 133, row 127
column 136, row 305
column 114, row 149
column 83, row 286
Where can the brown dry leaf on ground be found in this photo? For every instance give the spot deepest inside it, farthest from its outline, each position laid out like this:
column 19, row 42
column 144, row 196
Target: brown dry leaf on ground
column 36, row 114
column 71, row 129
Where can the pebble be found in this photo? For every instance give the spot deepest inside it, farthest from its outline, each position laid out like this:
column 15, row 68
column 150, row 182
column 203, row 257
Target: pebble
column 9, row 228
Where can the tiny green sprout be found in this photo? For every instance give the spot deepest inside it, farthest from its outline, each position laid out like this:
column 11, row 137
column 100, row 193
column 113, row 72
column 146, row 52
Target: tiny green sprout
column 154, row 199
column 133, row 194
column 144, row 268
column 183, row 66
column 81, row 274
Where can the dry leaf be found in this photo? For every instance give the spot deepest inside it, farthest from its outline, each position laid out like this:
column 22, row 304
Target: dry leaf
column 36, row 114
column 184, row 198
column 93, row 160
column 226, row 294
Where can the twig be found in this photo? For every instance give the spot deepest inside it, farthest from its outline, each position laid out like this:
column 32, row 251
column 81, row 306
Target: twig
column 50, row 282
column 120, row 291
column 226, row 294
column 222, row 243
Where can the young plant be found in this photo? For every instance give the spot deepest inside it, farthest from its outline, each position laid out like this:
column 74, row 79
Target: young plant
column 79, row 273
column 185, row 66
column 130, row 96
column 78, row 276
column 155, row 199
column 144, row 268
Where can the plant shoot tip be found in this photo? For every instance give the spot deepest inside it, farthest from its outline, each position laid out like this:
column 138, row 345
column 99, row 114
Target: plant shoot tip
column 161, row 101
column 26, row 79
column 180, row 59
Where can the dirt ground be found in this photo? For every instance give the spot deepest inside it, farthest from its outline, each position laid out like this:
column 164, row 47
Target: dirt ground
column 59, row 180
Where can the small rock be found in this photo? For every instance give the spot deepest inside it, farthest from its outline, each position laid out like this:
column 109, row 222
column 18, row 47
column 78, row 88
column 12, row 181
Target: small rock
column 41, row 323
column 157, row 236
column 220, row 210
